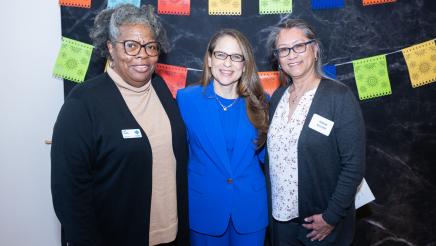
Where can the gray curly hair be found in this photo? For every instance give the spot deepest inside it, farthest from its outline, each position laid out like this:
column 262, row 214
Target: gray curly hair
column 310, row 34
column 107, row 24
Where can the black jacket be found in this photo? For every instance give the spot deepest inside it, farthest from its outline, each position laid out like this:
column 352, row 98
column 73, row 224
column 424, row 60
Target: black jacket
column 330, row 168
column 101, row 182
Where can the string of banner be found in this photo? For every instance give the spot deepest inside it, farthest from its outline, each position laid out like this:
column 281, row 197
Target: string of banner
column 371, row 73
column 224, row 7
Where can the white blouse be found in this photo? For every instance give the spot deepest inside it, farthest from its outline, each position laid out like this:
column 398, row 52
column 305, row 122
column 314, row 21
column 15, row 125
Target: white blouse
column 283, row 136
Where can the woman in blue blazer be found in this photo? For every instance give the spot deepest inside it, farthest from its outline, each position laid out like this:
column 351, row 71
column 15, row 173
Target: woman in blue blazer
column 226, row 119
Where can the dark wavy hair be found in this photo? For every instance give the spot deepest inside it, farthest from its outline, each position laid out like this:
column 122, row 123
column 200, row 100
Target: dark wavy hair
column 308, row 32
column 248, row 86
column 107, row 24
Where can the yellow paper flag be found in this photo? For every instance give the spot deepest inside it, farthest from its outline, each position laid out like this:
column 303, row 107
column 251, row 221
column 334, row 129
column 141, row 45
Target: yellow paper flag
column 421, row 63
column 224, row 7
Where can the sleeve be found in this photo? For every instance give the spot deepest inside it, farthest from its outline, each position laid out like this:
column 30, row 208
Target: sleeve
column 350, row 137
column 180, row 99
column 71, row 175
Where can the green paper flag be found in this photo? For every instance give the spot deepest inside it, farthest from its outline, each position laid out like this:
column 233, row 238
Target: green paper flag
column 275, row 6
column 371, row 76
column 73, row 60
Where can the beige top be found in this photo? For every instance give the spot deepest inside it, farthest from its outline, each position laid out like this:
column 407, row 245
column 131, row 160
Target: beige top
column 148, row 111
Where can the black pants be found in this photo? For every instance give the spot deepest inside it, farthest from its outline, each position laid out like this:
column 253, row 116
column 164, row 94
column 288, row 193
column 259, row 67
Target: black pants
column 173, row 243
column 292, row 233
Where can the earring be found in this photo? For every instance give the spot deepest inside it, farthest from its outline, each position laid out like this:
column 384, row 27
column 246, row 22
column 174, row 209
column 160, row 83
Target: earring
column 280, row 68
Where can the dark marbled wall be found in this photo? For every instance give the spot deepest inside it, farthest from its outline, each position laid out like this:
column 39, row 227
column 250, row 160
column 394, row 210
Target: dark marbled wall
column 401, row 128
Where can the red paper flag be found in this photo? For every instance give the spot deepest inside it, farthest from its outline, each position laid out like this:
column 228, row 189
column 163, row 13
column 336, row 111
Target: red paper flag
column 270, row 81
column 174, row 7
column 174, row 76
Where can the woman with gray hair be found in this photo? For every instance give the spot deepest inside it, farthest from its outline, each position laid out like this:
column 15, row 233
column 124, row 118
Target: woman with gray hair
column 119, row 153
column 315, row 143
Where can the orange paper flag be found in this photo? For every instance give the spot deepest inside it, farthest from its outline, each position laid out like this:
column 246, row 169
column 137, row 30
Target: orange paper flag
column 174, row 76
column 269, row 81
column 76, row 3
column 372, row 2
column 173, row 7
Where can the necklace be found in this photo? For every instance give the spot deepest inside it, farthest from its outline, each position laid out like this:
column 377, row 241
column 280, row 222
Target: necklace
column 293, row 96
column 222, row 105
column 293, row 99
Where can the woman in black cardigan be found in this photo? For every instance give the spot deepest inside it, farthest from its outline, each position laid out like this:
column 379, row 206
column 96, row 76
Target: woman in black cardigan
column 316, row 145
column 119, row 151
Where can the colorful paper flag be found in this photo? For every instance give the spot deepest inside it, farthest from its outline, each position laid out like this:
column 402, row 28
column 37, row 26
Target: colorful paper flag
column 224, row 7
column 372, row 77
column 275, row 6
column 269, row 81
column 76, row 3
column 330, row 71
column 372, row 2
column 174, row 7
column 421, row 63
column 174, row 76
column 327, row 4
column 73, row 60
column 114, row 3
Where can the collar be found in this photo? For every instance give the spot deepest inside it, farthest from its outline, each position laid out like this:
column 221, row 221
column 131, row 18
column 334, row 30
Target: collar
column 123, row 84
column 209, row 91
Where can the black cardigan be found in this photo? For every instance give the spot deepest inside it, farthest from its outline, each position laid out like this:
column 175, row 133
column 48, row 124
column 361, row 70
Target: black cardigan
column 330, row 168
column 101, row 182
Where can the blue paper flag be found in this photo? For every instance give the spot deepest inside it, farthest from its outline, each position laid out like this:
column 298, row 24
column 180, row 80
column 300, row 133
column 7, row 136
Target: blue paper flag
column 114, row 3
column 330, row 71
column 327, row 4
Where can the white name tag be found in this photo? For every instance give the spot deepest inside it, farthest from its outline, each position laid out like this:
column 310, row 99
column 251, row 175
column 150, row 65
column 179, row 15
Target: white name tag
column 321, row 124
column 131, row 133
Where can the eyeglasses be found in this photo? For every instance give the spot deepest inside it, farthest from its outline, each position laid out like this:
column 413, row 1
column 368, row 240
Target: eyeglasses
column 298, row 48
column 234, row 57
column 132, row 48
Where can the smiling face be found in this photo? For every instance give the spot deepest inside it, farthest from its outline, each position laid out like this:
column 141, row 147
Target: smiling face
column 296, row 65
column 135, row 70
column 226, row 72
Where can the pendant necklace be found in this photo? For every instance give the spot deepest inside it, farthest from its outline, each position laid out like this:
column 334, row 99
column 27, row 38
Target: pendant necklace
column 222, row 105
column 293, row 96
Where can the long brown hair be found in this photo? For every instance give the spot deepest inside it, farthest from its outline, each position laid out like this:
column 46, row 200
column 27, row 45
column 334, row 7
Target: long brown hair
column 248, row 85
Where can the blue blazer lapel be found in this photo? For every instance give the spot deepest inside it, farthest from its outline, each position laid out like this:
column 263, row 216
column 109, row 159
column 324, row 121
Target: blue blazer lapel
column 213, row 129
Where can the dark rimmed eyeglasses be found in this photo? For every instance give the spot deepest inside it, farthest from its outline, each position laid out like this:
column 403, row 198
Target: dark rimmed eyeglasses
column 132, row 47
column 234, row 57
column 298, row 48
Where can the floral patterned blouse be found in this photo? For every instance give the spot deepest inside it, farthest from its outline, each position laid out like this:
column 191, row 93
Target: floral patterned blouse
column 282, row 145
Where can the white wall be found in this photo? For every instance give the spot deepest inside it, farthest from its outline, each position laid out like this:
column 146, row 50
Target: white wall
column 30, row 99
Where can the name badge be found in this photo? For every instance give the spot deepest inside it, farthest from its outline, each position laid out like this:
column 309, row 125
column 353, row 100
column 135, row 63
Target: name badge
column 131, row 133
column 321, row 124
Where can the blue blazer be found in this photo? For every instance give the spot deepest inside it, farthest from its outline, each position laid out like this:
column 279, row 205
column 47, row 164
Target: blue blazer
column 220, row 188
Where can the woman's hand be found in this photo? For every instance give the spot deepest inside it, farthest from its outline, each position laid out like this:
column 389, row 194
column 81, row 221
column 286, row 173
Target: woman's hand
column 320, row 228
